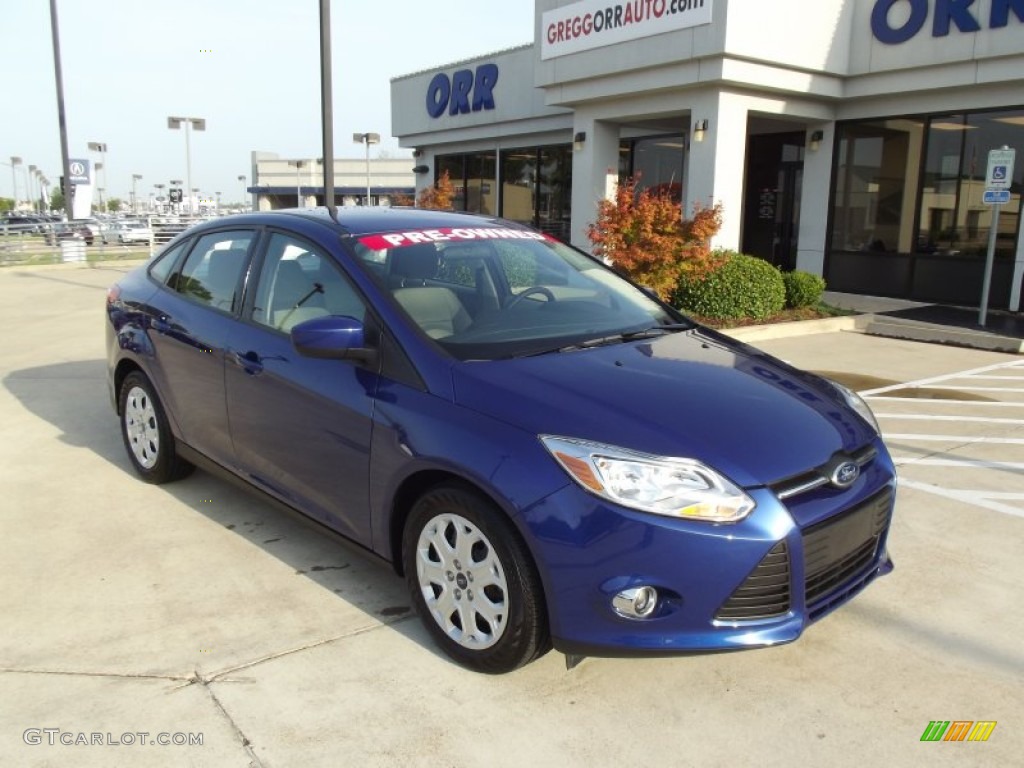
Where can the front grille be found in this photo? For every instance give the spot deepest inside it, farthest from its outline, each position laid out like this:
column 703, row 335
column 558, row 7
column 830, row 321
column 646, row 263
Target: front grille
column 819, row 476
column 764, row 593
column 838, row 549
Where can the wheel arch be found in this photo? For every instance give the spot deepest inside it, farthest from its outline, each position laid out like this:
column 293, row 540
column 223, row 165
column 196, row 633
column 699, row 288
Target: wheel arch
column 124, row 367
column 417, row 484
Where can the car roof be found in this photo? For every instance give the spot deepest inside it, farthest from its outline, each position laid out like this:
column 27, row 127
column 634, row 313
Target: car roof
column 363, row 220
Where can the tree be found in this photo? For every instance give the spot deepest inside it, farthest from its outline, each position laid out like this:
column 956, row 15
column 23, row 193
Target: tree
column 438, row 197
column 6, row 204
column 57, row 200
column 113, row 205
column 645, row 235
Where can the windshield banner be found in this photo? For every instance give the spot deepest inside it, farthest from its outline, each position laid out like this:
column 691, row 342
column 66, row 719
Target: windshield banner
column 445, row 234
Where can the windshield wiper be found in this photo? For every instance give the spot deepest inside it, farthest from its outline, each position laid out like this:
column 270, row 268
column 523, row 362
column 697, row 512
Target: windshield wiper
column 616, row 338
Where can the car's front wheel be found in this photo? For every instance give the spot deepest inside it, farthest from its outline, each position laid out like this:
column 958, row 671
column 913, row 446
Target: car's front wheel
column 473, row 581
column 147, row 435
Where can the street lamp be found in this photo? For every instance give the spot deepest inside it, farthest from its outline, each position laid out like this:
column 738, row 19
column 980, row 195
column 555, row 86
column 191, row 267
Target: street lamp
column 367, row 139
column 242, row 179
column 15, row 161
column 135, row 204
column 193, row 123
column 159, row 193
column 193, row 201
column 218, row 203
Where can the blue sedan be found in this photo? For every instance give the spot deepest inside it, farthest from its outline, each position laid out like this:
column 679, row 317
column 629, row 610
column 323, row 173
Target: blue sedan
column 550, row 456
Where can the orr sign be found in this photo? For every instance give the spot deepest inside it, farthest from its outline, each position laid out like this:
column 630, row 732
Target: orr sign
column 597, row 23
column 896, row 21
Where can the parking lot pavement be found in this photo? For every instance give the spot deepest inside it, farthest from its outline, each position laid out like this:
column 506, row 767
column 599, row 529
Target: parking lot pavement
column 193, row 610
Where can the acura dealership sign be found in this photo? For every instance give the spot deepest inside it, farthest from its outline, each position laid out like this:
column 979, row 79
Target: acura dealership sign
column 596, row 23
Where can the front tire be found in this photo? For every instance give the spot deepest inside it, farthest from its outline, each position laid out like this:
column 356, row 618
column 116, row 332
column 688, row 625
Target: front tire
column 146, row 433
column 473, row 582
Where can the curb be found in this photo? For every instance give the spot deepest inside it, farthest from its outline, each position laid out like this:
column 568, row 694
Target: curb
column 795, row 328
column 958, row 337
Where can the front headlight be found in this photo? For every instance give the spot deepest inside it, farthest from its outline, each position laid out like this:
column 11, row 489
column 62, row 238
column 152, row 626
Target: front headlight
column 857, row 403
column 681, row 488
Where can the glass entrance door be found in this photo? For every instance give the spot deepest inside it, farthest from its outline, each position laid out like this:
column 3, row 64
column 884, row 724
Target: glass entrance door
column 771, row 211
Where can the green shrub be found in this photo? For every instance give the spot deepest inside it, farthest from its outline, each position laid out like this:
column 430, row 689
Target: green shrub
column 802, row 289
column 741, row 286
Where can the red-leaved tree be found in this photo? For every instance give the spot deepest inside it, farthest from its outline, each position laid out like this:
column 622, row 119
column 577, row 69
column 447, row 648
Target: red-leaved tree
column 438, row 197
column 645, row 235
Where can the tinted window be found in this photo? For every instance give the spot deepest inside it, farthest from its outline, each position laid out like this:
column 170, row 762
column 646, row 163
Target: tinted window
column 211, row 273
column 298, row 282
column 164, row 263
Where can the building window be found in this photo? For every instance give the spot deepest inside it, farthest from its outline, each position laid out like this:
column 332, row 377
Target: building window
column 658, row 160
column 875, row 186
column 908, row 217
column 535, row 185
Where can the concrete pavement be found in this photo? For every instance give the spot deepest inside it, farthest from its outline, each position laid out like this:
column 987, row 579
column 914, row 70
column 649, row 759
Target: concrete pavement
column 195, row 609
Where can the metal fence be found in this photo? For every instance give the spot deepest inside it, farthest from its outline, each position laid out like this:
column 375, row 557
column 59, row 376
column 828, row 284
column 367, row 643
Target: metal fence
column 84, row 240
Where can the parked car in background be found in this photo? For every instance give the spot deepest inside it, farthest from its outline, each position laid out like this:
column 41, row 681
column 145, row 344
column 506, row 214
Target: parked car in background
column 550, row 456
column 127, row 231
column 65, row 230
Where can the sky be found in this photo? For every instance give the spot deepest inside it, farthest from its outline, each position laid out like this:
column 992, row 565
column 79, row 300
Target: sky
column 251, row 68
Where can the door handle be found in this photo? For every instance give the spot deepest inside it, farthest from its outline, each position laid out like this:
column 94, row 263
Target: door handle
column 160, row 325
column 249, row 361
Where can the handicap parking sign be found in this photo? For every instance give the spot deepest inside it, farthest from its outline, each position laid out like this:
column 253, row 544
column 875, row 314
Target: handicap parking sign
column 1000, row 168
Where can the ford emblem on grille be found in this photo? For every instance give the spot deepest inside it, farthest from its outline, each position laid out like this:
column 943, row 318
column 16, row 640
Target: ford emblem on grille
column 845, row 474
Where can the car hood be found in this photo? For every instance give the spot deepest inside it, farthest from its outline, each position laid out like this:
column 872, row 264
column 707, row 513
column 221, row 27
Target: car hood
column 694, row 394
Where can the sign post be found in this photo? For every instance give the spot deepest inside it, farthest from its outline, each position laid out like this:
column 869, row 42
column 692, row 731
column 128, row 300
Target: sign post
column 998, row 179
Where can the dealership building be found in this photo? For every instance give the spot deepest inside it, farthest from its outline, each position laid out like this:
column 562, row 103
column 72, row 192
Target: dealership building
column 848, row 138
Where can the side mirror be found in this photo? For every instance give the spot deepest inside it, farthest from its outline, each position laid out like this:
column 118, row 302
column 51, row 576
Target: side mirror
column 335, row 337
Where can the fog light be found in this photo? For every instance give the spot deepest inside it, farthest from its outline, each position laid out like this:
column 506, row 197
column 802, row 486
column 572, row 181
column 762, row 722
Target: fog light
column 636, row 602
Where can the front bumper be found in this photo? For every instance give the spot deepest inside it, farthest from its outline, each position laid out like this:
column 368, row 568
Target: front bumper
column 759, row 582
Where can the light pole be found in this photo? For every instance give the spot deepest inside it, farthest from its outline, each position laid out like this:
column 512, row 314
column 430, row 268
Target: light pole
column 218, row 203
column 193, row 201
column 299, row 165
column 99, row 167
column 15, row 162
column 367, row 139
column 44, row 192
column 193, row 123
column 159, row 193
column 244, row 206
column 135, row 203
column 31, row 190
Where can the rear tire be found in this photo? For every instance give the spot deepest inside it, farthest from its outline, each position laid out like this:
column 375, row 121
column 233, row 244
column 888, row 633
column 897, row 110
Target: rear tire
column 146, row 433
column 473, row 581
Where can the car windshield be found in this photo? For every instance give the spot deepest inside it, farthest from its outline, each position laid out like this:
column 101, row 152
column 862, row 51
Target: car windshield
column 490, row 292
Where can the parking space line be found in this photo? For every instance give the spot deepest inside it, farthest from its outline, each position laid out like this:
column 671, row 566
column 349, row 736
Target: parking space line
column 971, row 389
column 975, row 498
column 1006, row 466
column 933, row 400
column 945, row 377
column 963, row 419
column 963, row 439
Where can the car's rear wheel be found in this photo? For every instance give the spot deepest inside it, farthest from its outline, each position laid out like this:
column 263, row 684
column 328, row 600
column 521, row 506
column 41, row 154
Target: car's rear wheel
column 473, row 581
column 147, row 435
